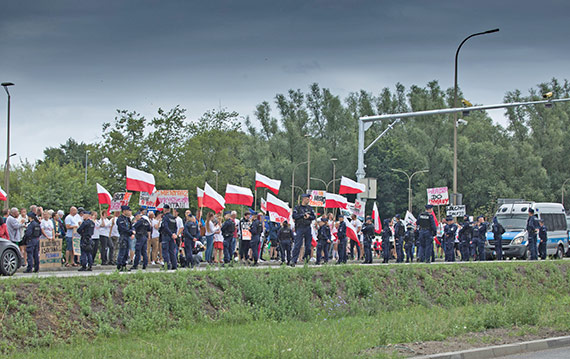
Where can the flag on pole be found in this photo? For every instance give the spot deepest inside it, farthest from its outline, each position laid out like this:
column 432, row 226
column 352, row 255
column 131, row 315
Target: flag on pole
column 213, row 199
column 266, row 182
column 351, row 232
column 200, row 194
column 348, row 186
column 104, row 195
column 335, row 201
column 376, row 219
column 140, row 181
column 263, row 206
column 409, row 218
column 276, row 205
column 238, row 195
column 3, row 195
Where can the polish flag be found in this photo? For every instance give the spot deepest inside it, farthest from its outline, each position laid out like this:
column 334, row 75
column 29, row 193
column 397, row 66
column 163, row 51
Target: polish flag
column 376, row 219
column 266, row 182
column 351, row 232
column 213, row 199
column 104, row 195
column 348, row 186
column 238, row 195
column 3, row 195
column 263, row 206
column 276, row 205
column 139, row 181
column 200, row 193
column 335, row 201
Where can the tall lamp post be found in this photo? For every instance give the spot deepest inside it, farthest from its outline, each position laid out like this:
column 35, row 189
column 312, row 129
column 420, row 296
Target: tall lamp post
column 216, row 172
column 455, row 114
column 307, row 136
column 409, row 184
column 562, row 189
column 325, row 183
column 334, row 171
column 7, row 166
column 293, row 181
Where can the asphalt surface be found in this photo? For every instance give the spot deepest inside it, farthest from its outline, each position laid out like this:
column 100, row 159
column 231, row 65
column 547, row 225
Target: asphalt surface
column 560, row 353
column 107, row 270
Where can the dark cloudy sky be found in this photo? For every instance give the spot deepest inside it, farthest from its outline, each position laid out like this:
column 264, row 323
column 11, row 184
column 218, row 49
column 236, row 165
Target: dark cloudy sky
column 75, row 62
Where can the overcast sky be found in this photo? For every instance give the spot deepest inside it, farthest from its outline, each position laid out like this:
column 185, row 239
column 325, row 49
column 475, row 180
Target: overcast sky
column 75, row 62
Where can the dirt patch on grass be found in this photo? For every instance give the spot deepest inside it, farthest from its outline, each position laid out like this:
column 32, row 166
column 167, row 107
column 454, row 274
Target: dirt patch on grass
column 468, row 341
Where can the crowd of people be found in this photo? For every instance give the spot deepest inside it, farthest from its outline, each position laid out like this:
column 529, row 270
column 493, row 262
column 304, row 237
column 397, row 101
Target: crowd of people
column 167, row 239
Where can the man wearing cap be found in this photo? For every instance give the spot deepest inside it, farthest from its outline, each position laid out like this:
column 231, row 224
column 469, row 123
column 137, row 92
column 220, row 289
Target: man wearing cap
column 341, row 234
column 303, row 216
column 32, row 236
column 86, row 230
column 285, row 236
column 168, row 235
column 228, row 229
column 368, row 234
column 126, row 232
column 479, row 242
column 409, row 243
column 142, row 229
column 428, row 230
column 399, row 233
column 465, row 238
column 324, row 240
column 449, row 231
column 256, row 231
column 532, row 227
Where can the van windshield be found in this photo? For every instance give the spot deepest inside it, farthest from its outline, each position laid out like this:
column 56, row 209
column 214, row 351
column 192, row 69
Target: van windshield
column 515, row 222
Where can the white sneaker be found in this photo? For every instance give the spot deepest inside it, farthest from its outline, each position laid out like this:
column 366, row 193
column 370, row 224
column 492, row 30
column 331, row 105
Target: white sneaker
column 161, row 263
column 152, row 263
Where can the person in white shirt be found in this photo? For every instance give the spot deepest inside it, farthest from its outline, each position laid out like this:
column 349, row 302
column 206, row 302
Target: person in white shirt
column 106, row 245
column 71, row 225
column 114, row 238
column 153, row 245
column 46, row 226
column 358, row 225
column 96, row 236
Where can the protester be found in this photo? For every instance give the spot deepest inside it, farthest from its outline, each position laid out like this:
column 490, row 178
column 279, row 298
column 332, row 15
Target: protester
column 245, row 237
column 153, row 245
column 46, row 226
column 210, row 231
column 71, row 224
column 218, row 241
column 96, row 237
column 15, row 227
column 114, row 233
column 106, row 243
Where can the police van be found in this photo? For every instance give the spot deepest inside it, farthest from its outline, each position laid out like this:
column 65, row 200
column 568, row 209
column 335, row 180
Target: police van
column 513, row 218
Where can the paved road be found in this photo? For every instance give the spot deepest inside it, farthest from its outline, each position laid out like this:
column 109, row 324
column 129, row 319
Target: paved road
column 97, row 270
column 560, row 353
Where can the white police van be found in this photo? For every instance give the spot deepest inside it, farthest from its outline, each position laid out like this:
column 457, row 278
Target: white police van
column 514, row 216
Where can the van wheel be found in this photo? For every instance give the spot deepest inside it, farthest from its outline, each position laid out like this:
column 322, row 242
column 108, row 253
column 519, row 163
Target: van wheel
column 560, row 252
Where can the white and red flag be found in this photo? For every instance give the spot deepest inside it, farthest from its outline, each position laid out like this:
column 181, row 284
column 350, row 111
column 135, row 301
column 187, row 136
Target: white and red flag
column 139, row 181
column 376, row 219
column 276, row 205
column 263, row 206
column 266, row 182
column 238, row 195
column 335, row 201
column 103, row 195
column 3, row 195
column 348, row 186
column 351, row 232
column 213, row 199
column 200, row 194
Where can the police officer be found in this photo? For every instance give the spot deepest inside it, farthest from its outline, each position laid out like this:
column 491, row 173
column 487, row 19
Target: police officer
column 409, row 243
column 142, row 229
column 449, row 231
column 483, row 228
column 285, row 236
column 323, row 240
column 368, row 237
column 543, row 239
column 465, row 233
column 32, row 235
column 126, row 231
column 303, row 215
column 399, row 233
column 386, row 234
column 341, row 234
column 428, row 230
column 228, row 229
column 191, row 235
column 532, row 227
column 168, row 235
column 86, row 244
column 256, row 232
column 498, row 231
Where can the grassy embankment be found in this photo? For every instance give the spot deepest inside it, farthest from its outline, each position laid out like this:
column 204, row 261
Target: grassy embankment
column 269, row 313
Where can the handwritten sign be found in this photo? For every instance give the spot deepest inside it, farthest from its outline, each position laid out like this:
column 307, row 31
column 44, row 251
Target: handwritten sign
column 120, row 199
column 456, row 211
column 50, row 253
column 438, row 196
column 174, row 198
column 317, row 198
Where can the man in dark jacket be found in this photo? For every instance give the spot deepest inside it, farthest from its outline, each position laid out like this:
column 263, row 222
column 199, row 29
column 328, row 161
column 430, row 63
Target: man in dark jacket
column 86, row 230
column 228, row 229
column 256, row 232
column 32, row 236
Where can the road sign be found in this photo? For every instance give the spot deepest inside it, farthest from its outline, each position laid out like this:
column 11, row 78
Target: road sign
column 456, row 211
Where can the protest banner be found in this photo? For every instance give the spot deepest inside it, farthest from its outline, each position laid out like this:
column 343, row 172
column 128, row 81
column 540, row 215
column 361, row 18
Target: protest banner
column 456, row 211
column 120, row 199
column 174, row 198
column 317, row 198
column 438, row 196
column 354, row 208
column 50, row 253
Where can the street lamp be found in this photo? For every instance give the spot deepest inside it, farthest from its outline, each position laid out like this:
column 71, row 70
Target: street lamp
column 216, row 172
column 308, row 161
column 455, row 114
column 562, row 189
column 7, row 164
column 409, row 184
column 293, row 181
column 325, row 183
column 334, row 170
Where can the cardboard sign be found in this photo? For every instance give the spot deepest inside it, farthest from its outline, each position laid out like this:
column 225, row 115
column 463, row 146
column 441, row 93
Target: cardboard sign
column 354, row 208
column 174, row 198
column 120, row 199
column 456, row 211
column 410, row 219
column 76, row 246
column 50, row 253
column 317, row 198
column 438, row 196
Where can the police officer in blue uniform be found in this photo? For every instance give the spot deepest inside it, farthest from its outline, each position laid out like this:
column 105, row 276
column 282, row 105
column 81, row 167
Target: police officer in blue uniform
column 532, row 227
column 368, row 237
column 386, row 234
column 399, row 233
column 465, row 238
column 409, row 239
column 32, row 236
column 142, row 228
column 323, row 240
column 428, row 230
column 543, row 236
column 228, row 229
column 191, row 235
column 475, row 240
column 126, row 231
column 86, row 244
column 483, row 228
column 498, row 231
column 256, row 232
column 168, row 235
column 341, row 234
column 303, row 216
column 285, row 236
column 449, row 231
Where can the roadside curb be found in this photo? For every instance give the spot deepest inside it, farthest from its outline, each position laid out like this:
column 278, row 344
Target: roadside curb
column 503, row 350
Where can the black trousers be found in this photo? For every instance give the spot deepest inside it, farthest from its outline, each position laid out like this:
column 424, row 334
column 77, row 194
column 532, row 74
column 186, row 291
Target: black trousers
column 322, row 247
column 106, row 249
